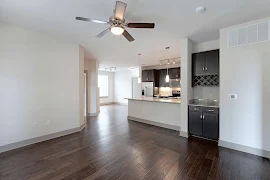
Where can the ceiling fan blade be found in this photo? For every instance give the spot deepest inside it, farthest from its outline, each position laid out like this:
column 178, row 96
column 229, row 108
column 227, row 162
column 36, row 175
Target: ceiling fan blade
column 120, row 9
column 128, row 36
column 91, row 20
column 103, row 33
column 141, row 25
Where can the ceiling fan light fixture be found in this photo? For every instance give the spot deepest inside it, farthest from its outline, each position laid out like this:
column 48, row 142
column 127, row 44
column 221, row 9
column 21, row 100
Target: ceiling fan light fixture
column 117, row 30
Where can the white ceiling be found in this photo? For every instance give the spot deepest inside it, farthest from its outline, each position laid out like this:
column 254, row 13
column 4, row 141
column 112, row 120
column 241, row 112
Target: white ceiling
column 174, row 19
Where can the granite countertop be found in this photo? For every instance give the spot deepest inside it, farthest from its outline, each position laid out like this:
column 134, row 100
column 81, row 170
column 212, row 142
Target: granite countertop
column 205, row 103
column 174, row 101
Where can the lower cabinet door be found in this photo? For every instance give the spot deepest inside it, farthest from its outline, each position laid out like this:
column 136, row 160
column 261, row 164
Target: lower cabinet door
column 195, row 123
column 211, row 126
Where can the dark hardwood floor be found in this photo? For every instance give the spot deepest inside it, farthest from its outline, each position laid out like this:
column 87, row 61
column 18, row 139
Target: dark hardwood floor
column 110, row 147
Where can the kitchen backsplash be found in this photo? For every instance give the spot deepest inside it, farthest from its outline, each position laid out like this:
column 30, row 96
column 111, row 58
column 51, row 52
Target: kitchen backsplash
column 206, row 92
column 167, row 91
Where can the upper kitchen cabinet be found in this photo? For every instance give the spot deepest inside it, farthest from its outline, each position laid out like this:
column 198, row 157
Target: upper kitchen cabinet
column 151, row 76
column 174, row 73
column 148, row 75
column 205, row 63
column 162, row 76
column 198, row 63
column 212, row 62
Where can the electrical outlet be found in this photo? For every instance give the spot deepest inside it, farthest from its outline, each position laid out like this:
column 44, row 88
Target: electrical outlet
column 35, row 124
column 232, row 96
column 48, row 122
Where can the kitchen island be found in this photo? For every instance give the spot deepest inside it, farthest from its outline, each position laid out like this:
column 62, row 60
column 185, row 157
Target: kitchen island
column 158, row 112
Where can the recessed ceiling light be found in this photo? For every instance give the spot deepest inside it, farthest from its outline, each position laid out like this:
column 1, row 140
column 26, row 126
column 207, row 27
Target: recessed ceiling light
column 200, row 9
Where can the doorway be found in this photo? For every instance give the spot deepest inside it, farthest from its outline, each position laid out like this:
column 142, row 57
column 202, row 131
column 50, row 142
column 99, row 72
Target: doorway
column 136, row 88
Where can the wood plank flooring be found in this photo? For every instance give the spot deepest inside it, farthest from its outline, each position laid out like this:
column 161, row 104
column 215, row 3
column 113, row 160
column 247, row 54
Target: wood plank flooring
column 111, row 147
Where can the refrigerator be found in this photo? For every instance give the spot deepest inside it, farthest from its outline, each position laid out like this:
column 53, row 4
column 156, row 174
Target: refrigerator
column 147, row 89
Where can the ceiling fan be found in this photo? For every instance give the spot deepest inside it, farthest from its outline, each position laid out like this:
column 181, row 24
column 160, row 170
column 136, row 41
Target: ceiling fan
column 117, row 23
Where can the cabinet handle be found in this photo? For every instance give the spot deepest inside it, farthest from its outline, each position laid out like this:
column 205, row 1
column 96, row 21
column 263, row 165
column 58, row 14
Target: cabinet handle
column 211, row 110
column 206, row 68
column 203, row 69
column 203, row 117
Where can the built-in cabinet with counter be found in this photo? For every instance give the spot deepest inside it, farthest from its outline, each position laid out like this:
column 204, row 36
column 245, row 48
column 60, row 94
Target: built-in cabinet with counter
column 204, row 122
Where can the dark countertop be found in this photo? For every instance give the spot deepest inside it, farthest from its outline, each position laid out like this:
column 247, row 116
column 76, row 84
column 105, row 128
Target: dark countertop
column 204, row 103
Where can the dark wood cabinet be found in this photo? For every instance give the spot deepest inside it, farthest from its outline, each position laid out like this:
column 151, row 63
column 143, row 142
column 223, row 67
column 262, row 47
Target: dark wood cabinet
column 162, row 76
column 204, row 122
column 174, row 73
column 195, row 123
column 210, row 126
column 212, row 62
column 151, row 76
column 198, row 63
column 205, row 63
column 148, row 75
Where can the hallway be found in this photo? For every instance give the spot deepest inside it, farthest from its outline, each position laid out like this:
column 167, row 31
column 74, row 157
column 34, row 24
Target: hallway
column 111, row 147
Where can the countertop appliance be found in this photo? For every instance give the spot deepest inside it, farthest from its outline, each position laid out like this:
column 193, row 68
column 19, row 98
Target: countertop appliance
column 147, row 89
column 176, row 93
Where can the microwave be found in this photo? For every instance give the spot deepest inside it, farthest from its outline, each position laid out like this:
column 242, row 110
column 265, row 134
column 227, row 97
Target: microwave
column 175, row 83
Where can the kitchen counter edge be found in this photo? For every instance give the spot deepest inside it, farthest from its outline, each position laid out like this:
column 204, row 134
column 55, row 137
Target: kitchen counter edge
column 156, row 100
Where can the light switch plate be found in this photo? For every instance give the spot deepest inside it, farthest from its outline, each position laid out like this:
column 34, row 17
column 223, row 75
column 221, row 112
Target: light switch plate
column 232, row 96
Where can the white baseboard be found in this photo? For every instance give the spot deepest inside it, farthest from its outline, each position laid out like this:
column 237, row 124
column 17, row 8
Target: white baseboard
column 167, row 126
column 28, row 142
column 104, row 104
column 247, row 149
column 93, row 114
column 184, row 134
column 119, row 103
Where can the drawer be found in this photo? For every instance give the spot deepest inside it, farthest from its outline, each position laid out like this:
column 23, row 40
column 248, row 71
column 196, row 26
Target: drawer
column 195, row 108
column 210, row 110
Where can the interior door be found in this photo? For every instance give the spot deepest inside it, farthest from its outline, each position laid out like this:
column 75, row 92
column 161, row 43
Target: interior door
column 136, row 88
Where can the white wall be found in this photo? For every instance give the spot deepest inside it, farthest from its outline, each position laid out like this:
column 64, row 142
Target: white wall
column 186, row 50
column 206, row 46
column 245, row 72
column 123, row 85
column 110, row 98
column 40, row 78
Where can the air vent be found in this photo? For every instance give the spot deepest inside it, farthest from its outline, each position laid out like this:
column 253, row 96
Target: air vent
column 232, row 38
column 263, row 32
column 249, row 34
column 252, row 34
column 242, row 36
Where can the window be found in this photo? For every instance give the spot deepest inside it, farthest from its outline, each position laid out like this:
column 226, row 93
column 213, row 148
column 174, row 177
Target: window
column 103, row 85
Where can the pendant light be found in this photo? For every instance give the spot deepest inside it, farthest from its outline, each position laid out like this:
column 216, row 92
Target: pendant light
column 167, row 79
column 140, row 71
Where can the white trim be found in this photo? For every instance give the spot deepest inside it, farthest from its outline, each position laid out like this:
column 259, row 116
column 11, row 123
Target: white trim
column 104, row 104
column 247, row 149
column 119, row 103
column 176, row 128
column 94, row 114
column 184, row 134
column 28, row 142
